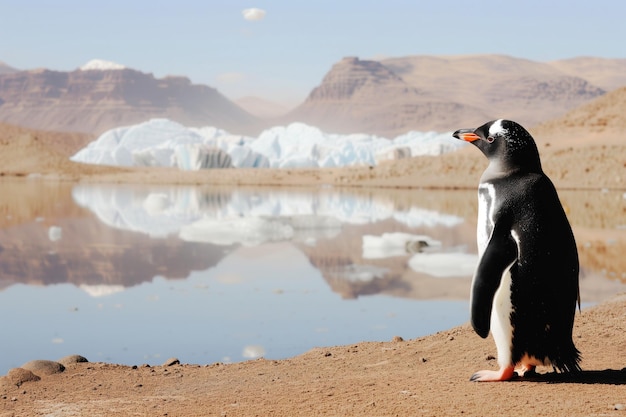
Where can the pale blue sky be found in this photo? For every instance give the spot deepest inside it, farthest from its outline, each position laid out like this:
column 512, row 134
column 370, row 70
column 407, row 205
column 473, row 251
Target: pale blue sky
column 286, row 54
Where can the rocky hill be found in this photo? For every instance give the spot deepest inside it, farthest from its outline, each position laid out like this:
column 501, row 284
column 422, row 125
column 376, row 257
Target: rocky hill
column 606, row 73
column 93, row 101
column 366, row 96
column 602, row 120
column 387, row 97
column 395, row 95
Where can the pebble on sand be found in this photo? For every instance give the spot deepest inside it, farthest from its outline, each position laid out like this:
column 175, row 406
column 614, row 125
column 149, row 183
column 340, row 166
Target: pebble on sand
column 171, row 361
column 70, row 359
column 17, row 376
column 43, row 367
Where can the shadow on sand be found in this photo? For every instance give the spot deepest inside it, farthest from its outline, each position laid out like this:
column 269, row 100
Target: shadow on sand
column 607, row 377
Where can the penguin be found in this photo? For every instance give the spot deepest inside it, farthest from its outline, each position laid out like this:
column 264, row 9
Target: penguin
column 525, row 286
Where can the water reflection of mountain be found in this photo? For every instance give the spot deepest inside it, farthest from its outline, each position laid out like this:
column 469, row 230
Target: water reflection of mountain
column 343, row 265
column 137, row 233
column 127, row 235
column 92, row 254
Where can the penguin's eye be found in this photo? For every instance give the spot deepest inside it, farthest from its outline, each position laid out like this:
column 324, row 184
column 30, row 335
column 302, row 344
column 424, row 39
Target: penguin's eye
column 490, row 139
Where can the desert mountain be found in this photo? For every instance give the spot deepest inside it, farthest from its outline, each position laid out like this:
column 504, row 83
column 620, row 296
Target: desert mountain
column 387, row 97
column 608, row 74
column 93, row 101
column 603, row 119
column 502, row 86
column 366, row 96
column 393, row 96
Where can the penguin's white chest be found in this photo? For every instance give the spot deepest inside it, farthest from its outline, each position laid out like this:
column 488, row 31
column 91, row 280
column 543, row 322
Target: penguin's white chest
column 485, row 221
column 501, row 326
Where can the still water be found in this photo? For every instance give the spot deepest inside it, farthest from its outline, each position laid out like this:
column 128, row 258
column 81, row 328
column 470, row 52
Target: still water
column 138, row 274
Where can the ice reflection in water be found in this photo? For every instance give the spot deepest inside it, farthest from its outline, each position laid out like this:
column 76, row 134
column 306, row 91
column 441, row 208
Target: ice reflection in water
column 226, row 275
column 178, row 210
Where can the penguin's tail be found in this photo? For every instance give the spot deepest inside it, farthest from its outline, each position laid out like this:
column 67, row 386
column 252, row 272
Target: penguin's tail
column 567, row 360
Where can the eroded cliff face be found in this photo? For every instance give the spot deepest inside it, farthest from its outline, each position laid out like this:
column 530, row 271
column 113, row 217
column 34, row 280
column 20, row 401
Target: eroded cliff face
column 393, row 96
column 387, row 97
column 94, row 101
column 366, row 96
column 353, row 78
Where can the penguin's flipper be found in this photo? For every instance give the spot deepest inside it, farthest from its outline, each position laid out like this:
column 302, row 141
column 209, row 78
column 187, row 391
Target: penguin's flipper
column 499, row 255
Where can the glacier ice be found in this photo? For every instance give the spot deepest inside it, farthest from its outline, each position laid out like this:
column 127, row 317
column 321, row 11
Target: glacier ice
column 162, row 142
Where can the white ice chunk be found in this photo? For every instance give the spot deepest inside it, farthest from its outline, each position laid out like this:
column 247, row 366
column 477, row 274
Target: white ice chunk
column 443, row 265
column 395, row 244
column 296, row 145
column 55, row 233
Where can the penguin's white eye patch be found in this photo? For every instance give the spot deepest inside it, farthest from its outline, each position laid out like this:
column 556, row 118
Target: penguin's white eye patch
column 496, row 129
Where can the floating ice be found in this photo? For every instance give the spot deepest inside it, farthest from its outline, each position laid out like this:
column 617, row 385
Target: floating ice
column 395, row 244
column 55, row 233
column 162, row 142
column 447, row 264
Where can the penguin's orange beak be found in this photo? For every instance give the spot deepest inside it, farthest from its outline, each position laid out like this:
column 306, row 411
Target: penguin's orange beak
column 467, row 135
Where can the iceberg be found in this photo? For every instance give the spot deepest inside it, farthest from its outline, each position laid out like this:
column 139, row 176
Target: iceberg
column 162, row 142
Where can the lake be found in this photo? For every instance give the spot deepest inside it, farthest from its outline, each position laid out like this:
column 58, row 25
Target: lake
column 139, row 274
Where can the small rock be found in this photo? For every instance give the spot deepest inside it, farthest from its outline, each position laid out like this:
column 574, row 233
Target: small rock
column 424, row 360
column 171, row 361
column 44, row 367
column 17, row 376
column 490, row 357
column 619, row 407
column 397, row 339
column 70, row 359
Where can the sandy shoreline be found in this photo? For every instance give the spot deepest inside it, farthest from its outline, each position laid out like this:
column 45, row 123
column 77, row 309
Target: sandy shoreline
column 424, row 376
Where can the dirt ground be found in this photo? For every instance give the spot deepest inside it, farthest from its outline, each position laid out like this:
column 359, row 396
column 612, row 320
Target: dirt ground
column 427, row 376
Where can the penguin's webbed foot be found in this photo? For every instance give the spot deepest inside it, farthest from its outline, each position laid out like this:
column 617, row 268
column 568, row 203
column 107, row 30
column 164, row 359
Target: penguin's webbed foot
column 503, row 374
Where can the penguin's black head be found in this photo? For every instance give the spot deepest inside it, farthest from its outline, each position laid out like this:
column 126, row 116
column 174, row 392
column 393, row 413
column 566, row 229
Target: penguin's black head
column 505, row 142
